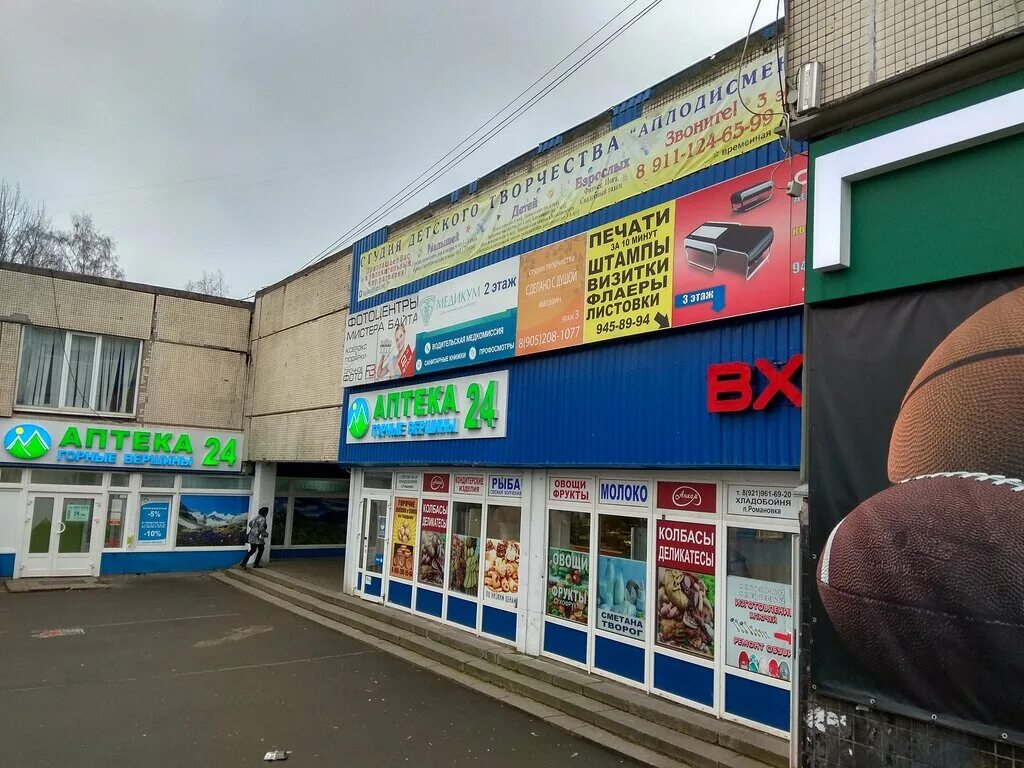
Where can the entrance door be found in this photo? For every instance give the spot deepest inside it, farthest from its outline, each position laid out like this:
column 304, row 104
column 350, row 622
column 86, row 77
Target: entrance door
column 371, row 559
column 62, row 535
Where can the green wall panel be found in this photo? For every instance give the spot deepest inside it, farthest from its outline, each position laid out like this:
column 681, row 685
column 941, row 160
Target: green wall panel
column 947, row 218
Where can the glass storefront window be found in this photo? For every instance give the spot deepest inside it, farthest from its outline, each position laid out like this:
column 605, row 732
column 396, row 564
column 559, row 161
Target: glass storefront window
column 622, row 575
column 433, row 541
column 10, row 475
column 119, row 479
column 337, row 486
column 568, row 579
column 319, row 521
column 66, row 477
column 282, row 484
column 377, row 479
column 157, row 480
column 212, row 521
column 279, row 521
column 117, row 510
column 759, row 634
column 465, row 552
column 217, row 482
column 501, row 554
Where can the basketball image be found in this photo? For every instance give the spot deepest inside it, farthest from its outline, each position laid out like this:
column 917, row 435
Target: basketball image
column 964, row 411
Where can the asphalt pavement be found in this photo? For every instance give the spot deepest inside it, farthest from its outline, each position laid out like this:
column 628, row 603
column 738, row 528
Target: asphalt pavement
column 183, row 671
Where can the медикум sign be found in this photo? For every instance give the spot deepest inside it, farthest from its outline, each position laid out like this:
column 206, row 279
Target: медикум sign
column 468, row 407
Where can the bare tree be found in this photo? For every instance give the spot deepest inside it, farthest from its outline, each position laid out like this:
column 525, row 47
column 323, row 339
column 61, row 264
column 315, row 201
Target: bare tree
column 88, row 252
column 26, row 235
column 211, row 284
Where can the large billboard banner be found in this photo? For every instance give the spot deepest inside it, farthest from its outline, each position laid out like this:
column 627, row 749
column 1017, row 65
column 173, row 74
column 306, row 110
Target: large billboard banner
column 731, row 249
column 917, row 502
column 703, row 128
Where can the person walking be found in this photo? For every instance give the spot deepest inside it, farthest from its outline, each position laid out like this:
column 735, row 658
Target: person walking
column 257, row 535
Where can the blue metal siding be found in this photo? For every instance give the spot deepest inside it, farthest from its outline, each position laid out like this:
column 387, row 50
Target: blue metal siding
column 749, row 161
column 640, row 402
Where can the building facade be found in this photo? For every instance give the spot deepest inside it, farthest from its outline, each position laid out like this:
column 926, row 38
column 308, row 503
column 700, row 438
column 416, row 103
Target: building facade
column 914, row 304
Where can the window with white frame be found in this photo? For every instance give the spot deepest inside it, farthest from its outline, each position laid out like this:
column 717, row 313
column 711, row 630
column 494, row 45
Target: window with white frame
column 69, row 370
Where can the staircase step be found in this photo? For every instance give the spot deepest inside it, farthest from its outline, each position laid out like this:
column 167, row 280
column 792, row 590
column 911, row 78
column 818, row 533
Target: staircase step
column 656, row 724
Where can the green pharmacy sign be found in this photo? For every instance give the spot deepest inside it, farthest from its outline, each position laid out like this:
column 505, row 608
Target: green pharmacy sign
column 468, row 407
column 27, row 442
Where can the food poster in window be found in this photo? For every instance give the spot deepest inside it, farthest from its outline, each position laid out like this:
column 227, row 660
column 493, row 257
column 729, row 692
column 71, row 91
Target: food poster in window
column 685, row 605
column 759, row 635
column 622, row 602
column 433, row 538
column 501, row 574
column 568, row 585
column 403, row 538
column 465, row 565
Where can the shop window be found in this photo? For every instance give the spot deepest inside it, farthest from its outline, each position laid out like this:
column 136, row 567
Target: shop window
column 282, row 485
column 217, row 482
column 568, row 581
column 212, row 521
column 42, row 522
column 319, row 521
column 501, row 554
column 279, row 521
column 117, row 509
column 622, row 575
column 376, row 479
column 334, row 486
column 157, row 480
column 66, row 477
column 10, row 475
column 465, row 551
column 119, row 479
column 759, row 625
column 70, row 370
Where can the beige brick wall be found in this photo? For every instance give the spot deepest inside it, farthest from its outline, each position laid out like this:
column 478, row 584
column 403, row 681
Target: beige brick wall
column 863, row 42
column 300, row 436
column 192, row 386
column 305, row 298
column 10, row 343
column 79, row 306
column 201, row 323
column 299, row 367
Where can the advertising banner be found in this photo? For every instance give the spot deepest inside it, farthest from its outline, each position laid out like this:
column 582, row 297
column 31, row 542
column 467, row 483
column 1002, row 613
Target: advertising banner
column 505, row 486
column 469, row 407
column 501, row 574
column 759, row 635
column 465, row 558
column 568, row 584
column 109, row 445
column 154, row 517
column 687, row 497
column 621, row 587
column 212, row 521
column 763, row 501
column 915, row 504
column 685, row 558
column 407, row 481
column 433, row 539
column 731, row 249
column 437, row 482
column 698, row 130
column 403, row 538
column 576, row 489
column 469, row 485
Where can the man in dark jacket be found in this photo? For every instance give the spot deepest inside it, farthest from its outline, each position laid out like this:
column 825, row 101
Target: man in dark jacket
column 256, row 538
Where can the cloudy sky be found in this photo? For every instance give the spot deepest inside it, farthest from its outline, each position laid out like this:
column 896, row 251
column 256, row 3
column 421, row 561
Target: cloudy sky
column 247, row 135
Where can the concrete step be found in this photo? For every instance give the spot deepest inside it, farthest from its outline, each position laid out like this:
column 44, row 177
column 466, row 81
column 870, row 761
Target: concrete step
column 653, row 723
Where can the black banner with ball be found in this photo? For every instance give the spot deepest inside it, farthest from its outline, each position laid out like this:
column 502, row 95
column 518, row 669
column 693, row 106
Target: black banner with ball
column 916, row 468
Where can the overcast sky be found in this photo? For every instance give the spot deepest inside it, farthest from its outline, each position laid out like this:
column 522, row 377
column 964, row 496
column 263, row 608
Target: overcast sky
column 247, row 136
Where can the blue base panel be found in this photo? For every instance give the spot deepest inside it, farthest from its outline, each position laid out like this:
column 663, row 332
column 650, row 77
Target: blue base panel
column 287, row 554
column 359, row 581
column 462, row 611
column 400, row 593
column 499, row 623
column 7, row 565
column 373, row 586
column 681, row 678
column 428, row 601
column 168, row 562
column 619, row 658
column 565, row 642
column 756, row 701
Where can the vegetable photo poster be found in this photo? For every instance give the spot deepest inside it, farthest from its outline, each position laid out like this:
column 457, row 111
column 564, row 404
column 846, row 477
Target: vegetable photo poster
column 568, row 584
column 403, row 538
column 433, row 537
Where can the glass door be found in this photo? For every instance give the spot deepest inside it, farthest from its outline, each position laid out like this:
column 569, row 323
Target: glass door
column 374, row 514
column 61, row 536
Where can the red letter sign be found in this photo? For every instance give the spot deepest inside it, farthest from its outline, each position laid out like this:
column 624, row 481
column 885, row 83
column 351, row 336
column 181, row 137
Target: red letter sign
column 729, row 387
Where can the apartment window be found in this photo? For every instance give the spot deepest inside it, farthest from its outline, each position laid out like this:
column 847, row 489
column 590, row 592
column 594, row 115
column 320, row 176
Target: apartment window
column 77, row 371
